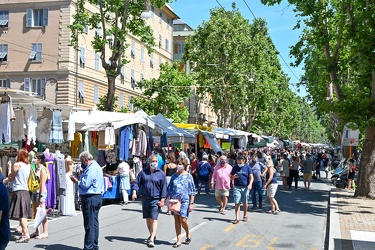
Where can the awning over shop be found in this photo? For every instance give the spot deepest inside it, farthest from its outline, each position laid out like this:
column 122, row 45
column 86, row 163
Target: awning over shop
column 207, row 132
column 174, row 133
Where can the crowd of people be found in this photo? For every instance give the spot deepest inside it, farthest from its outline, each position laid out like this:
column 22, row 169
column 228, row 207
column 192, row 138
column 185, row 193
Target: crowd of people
column 177, row 176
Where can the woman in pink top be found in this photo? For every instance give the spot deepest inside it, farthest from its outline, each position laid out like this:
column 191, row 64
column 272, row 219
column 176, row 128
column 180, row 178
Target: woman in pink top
column 221, row 181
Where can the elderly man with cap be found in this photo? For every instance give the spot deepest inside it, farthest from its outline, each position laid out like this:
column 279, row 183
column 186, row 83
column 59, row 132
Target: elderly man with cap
column 221, row 181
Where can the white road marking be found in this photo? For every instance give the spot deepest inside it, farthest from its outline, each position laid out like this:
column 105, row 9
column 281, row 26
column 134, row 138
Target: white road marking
column 193, row 229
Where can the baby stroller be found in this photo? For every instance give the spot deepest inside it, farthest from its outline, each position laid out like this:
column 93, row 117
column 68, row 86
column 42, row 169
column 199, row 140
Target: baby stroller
column 342, row 180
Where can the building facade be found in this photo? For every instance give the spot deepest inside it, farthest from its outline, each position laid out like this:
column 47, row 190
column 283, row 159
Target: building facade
column 199, row 112
column 35, row 55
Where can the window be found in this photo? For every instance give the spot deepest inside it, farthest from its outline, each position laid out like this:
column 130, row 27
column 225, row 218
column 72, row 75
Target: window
column 178, row 48
column 36, row 86
column 132, row 79
column 110, row 40
column 81, row 92
column 36, row 52
column 160, row 17
column 86, row 29
column 121, row 100
column 132, row 49
column 98, row 33
column 168, row 23
column 4, row 18
column 159, row 63
column 141, row 77
column 122, row 74
column 97, row 60
column 142, row 54
column 167, row 45
column 96, row 94
column 152, row 11
column 5, row 83
column 82, row 57
column 36, row 18
column 3, row 52
column 160, row 41
column 131, row 108
column 152, row 60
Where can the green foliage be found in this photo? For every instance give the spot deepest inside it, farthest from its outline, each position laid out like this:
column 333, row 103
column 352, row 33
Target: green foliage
column 165, row 95
column 103, row 101
column 115, row 19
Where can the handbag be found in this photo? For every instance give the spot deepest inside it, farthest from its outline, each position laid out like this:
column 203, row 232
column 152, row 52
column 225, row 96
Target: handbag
column 33, row 182
column 174, row 205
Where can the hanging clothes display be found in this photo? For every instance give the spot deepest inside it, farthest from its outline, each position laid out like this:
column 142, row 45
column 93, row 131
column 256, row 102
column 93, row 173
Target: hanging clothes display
column 51, row 182
column 43, row 129
column 75, row 144
column 71, row 126
column 56, row 135
column 32, row 120
column 5, row 122
column 126, row 135
column 59, row 163
column 139, row 144
column 17, row 128
column 109, row 138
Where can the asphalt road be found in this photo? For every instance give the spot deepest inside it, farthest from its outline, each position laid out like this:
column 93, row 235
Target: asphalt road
column 301, row 225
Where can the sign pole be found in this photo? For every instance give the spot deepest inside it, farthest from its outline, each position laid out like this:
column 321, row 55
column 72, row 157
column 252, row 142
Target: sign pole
column 350, row 151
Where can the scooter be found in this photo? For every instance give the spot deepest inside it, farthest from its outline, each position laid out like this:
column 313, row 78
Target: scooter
column 342, row 180
column 338, row 171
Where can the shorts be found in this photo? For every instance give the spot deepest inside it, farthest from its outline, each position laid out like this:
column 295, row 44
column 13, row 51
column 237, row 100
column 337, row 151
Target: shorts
column 240, row 194
column 271, row 189
column 221, row 192
column 36, row 197
column 351, row 175
column 150, row 208
column 307, row 177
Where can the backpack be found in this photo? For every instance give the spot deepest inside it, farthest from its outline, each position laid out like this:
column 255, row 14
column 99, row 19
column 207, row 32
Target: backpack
column 203, row 169
column 33, row 182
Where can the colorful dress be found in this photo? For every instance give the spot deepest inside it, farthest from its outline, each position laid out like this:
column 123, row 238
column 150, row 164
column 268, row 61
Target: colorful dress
column 182, row 187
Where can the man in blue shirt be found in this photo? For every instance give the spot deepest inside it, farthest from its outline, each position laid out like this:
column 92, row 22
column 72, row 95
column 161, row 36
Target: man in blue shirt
column 90, row 186
column 242, row 175
column 153, row 184
column 4, row 216
column 257, row 168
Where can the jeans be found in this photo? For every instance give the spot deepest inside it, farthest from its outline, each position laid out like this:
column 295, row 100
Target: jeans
column 3, row 246
column 257, row 188
column 90, row 211
column 206, row 186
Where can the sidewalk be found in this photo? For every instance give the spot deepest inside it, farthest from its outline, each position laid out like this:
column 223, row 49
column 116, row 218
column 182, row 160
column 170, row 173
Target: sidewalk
column 351, row 221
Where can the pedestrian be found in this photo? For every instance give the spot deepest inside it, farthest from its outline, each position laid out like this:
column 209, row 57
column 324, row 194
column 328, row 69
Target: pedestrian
column 307, row 171
column 90, row 186
column 20, row 204
column 293, row 173
column 242, row 175
column 158, row 151
column 193, row 164
column 271, row 185
column 153, row 184
column 284, row 165
column 4, row 216
column 39, row 197
column 203, row 171
column 352, row 169
column 170, row 168
column 258, row 168
column 181, row 187
column 317, row 166
column 123, row 170
column 221, row 182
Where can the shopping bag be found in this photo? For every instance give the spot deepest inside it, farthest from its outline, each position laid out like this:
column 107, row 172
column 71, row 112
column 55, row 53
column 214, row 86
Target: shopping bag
column 174, row 205
column 41, row 214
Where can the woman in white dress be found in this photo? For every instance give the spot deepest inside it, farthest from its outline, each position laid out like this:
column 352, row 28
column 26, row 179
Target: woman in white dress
column 67, row 200
column 124, row 171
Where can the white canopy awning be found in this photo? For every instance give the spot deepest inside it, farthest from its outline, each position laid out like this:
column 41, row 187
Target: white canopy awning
column 174, row 134
column 211, row 138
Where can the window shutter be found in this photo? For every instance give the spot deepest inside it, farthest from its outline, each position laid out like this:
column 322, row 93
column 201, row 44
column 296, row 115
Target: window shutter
column 8, row 83
column 39, row 52
column 96, row 61
column 45, row 17
column 151, row 60
column 96, row 93
column 121, row 101
column 175, row 50
column 26, row 84
column 123, row 71
column 29, row 17
column 82, row 52
column 43, row 87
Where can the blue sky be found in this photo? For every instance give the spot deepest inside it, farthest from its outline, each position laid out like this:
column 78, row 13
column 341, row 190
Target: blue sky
column 280, row 19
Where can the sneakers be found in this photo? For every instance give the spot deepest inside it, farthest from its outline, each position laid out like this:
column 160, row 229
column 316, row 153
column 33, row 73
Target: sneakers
column 150, row 244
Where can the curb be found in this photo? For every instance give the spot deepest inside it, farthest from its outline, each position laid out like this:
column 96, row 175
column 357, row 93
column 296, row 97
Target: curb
column 334, row 223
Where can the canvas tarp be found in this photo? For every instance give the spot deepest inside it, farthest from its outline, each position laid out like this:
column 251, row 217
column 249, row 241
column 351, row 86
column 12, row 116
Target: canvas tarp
column 174, row 134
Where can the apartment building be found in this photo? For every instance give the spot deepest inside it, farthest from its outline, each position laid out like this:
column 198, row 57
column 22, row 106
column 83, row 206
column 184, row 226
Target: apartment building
column 35, row 55
column 199, row 112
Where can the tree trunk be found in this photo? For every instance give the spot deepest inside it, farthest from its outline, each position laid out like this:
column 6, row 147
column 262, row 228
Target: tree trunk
column 366, row 177
column 110, row 93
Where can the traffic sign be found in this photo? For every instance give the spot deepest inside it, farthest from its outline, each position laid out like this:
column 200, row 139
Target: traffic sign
column 350, row 135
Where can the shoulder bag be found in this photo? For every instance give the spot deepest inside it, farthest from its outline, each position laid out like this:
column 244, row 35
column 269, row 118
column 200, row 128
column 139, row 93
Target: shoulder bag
column 174, row 205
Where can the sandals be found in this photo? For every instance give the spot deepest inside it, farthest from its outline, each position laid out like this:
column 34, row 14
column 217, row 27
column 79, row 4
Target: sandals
column 235, row 221
column 34, row 235
column 270, row 212
column 187, row 241
column 23, row 239
column 41, row 236
column 245, row 218
column 18, row 230
column 175, row 245
column 277, row 212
